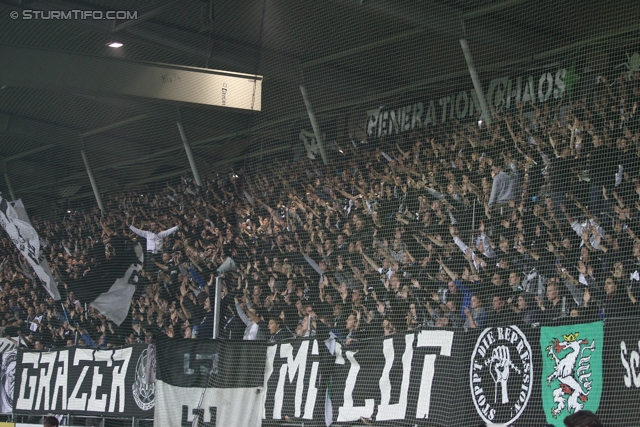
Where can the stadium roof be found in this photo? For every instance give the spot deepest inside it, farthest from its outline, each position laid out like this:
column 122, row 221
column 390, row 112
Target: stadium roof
column 345, row 50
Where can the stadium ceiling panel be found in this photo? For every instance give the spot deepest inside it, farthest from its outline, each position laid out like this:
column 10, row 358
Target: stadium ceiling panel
column 94, row 75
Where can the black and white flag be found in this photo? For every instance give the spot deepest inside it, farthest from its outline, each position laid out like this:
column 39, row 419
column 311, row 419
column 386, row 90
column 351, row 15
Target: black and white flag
column 207, row 382
column 15, row 222
column 110, row 287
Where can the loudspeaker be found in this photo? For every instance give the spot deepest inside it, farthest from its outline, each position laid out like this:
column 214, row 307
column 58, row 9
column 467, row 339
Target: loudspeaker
column 228, row 266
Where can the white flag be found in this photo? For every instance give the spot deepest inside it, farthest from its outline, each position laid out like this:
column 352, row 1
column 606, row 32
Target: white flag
column 15, row 222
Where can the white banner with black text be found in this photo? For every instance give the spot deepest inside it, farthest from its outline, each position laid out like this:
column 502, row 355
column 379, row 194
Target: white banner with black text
column 186, row 407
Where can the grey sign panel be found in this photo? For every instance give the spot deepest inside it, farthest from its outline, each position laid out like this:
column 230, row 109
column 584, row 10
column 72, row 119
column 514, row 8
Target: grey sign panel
column 46, row 69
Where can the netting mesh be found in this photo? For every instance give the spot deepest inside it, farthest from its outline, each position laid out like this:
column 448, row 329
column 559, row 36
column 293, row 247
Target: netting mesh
column 432, row 221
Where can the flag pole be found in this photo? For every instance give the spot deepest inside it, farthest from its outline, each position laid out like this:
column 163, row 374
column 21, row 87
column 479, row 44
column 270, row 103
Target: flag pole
column 65, row 312
column 217, row 308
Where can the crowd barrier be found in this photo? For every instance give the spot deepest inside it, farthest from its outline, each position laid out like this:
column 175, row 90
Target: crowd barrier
column 500, row 375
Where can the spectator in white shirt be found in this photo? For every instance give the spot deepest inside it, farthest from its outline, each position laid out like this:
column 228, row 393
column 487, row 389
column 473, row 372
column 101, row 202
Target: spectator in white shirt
column 249, row 318
column 154, row 238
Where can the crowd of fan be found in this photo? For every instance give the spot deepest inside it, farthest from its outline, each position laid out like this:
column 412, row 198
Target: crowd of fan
column 531, row 221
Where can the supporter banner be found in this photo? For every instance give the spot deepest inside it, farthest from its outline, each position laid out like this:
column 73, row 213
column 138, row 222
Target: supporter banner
column 8, row 345
column 7, row 380
column 83, row 381
column 408, row 379
column 26, row 239
column 412, row 377
column 293, row 380
column 621, row 389
column 501, row 375
column 571, row 374
column 211, row 382
column 8, row 356
column 186, row 407
column 502, row 93
column 505, row 365
column 186, row 363
column 420, row 378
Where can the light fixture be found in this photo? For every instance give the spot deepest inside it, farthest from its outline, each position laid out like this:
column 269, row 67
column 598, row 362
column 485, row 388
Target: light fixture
column 115, row 45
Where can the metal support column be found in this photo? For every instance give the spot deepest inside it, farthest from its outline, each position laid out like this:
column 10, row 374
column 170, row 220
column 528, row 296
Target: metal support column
column 486, row 114
column 187, row 148
column 8, row 181
column 473, row 217
column 92, row 179
column 314, row 123
column 6, row 178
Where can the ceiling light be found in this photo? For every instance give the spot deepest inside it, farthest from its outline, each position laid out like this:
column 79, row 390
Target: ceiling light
column 115, row 45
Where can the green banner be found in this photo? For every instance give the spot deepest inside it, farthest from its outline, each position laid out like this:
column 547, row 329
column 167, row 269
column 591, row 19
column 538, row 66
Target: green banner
column 571, row 369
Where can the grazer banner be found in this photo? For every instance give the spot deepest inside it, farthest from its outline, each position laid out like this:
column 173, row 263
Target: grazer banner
column 621, row 373
column 571, row 374
column 210, row 383
column 84, row 381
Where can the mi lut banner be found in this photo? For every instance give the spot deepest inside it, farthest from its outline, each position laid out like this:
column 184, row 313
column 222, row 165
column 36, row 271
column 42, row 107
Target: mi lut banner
column 206, row 382
column 84, row 381
column 420, row 378
column 407, row 377
column 501, row 375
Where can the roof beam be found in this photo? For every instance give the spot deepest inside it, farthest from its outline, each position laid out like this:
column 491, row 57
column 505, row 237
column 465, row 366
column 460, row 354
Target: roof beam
column 492, row 8
column 113, row 126
column 144, row 17
column 64, row 137
column 447, row 21
column 28, row 152
column 71, row 72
